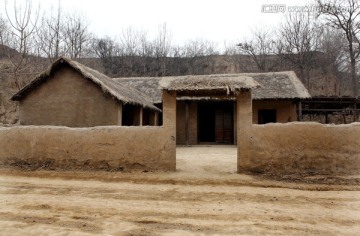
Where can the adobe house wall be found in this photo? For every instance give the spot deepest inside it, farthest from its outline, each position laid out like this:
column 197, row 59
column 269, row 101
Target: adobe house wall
column 293, row 148
column 285, row 110
column 69, row 100
column 106, row 147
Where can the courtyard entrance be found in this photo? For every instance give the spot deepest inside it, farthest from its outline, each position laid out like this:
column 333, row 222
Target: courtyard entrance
column 207, row 159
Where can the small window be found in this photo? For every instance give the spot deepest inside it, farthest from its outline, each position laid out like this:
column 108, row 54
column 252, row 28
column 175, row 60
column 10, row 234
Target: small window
column 266, row 116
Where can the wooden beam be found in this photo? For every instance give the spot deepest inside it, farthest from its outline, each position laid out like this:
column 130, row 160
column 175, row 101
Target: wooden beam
column 327, row 102
column 156, row 118
column 235, row 122
column 120, row 112
column 329, row 110
column 355, row 112
column 141, row 116
column 326, row 118
column 299, row 111
column 187, row 123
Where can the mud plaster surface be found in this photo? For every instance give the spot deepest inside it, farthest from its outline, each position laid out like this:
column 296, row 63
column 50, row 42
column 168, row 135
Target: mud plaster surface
column 202, row 197
column 301, row 148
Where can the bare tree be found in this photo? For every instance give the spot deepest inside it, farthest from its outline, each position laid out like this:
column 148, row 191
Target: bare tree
column 104, row 47
column 298, row 42
column 130, row 42
column 21, row 38
column 108, row 51
column 146, row 52
column 332, row 44
column 3, row 30
column 200, row 47
column 162, row 47
column 331, row 61
column 198, row 54
column 260, row 49
column 345, row 15
column 76, row 36
column 49, row 35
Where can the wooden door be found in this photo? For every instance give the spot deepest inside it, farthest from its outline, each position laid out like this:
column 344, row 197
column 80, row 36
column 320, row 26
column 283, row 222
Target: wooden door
column 223, row 126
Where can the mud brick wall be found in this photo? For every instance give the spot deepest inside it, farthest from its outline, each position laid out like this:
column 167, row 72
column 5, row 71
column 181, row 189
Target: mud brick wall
column 102, row 147
column 293, row 148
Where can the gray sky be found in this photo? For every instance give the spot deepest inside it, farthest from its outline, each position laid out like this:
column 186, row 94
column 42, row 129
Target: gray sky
column 214, row 20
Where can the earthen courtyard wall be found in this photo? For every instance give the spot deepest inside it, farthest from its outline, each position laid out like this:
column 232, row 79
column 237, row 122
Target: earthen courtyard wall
column 295, row 147
column 301, row 148
column 111, row 147
column 104, row 147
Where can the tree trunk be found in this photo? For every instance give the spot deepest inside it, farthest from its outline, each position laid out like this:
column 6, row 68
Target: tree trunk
column 354, row 81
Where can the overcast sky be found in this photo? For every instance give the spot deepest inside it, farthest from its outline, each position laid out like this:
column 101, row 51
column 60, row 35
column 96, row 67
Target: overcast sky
column 214, row 20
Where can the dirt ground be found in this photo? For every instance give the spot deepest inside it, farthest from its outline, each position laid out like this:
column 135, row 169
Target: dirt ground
column 204, row 197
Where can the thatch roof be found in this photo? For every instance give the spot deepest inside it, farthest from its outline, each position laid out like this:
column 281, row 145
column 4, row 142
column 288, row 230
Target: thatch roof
column 147, row 85
column 201, row 84
column 274, row 85
column 123, row 93
column 278, row 85
column 152, row 86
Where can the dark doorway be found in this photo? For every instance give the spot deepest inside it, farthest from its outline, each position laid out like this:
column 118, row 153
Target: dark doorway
column 130, row 115
column 215, row 122
column 206, row 121
column 146, row 117
column 266, row 116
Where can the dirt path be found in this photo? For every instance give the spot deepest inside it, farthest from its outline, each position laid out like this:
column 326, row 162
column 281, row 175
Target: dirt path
column 202, row 198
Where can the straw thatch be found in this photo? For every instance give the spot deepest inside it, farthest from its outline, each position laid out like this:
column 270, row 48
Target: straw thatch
column 118, row 91
column 147, row 85
column 192, row 84
column 200, row 84
column 274, row 85
column 189, row 85
column 278, row 85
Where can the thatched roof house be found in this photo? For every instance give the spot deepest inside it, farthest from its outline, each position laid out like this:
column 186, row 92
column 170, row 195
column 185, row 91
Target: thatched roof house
column 275, row 100
column 71, row 94
column 121, row 92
